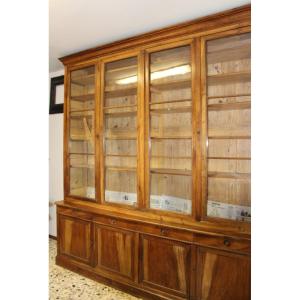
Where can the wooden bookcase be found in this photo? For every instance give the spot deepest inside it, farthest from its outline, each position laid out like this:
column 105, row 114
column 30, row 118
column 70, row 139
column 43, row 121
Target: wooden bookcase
column 157, row 161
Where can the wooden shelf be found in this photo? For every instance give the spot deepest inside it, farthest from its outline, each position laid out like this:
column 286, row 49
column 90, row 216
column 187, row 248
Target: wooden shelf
column 228, row 137
column 171, row 157
column 81, row 110
column 121, row 169
column 171, row 137
column 229, row 96
column 170, row 110
column 229, row 106
column 229, row 77
column 120, row 113
column 172, row 84
column 171, row 172
column 120, row 137
column 82, row 166
column 119, row 106
column 83, row 97
column 230, row 158
column 80, row 153
column 170, row 101
column 120, row 155
column 120, row 90
column 84, row 79
column 82, row 114
column 229, row 175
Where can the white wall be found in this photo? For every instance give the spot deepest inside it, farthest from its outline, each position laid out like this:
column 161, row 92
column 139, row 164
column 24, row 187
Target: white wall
column 55, row 161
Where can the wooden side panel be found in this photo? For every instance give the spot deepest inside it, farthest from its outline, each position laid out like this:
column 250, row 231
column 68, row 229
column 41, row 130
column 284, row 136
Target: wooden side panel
column 115, row 250
column 75, row 238
column 165, row 265
column 223, row 276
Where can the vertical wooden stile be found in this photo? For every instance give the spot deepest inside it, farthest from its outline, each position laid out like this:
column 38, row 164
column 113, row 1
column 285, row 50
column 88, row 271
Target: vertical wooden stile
column 98, row 149
column 101, row 135
column 66, row 133
column 204, row 139
column 196, row 106
column 147, row 144
column 141, row 131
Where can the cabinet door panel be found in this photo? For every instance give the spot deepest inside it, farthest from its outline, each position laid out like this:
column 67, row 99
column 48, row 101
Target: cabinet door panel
column 170, row 129
column 165, row 265
column 81, row 133
column 75, row 238
column 120, row 123
column 115, row 250
column 227, row 74
column 223, row 277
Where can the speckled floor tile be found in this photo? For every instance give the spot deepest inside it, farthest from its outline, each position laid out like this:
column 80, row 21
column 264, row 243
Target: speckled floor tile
column 67, row 285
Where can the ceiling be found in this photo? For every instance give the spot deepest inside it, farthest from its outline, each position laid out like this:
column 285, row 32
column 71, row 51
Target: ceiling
column 83, row 24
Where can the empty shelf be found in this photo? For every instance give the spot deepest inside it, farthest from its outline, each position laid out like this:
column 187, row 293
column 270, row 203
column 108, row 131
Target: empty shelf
column 172, row 172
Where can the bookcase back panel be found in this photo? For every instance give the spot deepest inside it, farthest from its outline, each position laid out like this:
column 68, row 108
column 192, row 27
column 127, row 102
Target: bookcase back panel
column 120, row 147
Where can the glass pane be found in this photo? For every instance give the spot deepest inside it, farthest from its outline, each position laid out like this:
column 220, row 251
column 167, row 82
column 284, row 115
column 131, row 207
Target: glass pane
column 171, row 192
column 229, row 127
column 81, row 138
column 120, row 131
column 171, row 130
column 120, row 185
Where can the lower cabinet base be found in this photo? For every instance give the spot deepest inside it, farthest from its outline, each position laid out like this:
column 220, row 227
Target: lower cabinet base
column 89, row 272
column 153, row 261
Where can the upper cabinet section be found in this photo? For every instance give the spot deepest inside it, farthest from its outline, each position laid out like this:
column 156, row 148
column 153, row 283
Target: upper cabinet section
column 228, row 99
column 161, row 123
column 120, row 131
column 170, row 130
column 81, row 137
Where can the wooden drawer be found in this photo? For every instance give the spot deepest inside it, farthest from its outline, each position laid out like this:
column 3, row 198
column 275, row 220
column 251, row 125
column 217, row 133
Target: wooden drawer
column 152, row 229
column 116, row 222
column 223, row 243
column 74, row 213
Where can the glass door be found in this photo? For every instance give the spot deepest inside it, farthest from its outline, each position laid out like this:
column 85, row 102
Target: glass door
column 170, row 130
column 120, row 131
column 81, row 145
column 228, row 100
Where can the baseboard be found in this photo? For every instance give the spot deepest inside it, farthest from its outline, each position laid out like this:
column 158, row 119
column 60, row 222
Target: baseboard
column 52, row 237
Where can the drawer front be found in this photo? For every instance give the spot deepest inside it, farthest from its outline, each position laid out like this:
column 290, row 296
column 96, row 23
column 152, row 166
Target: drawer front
column 165, row 265
column 75, row 238
column 74, row 213
column 223, row 243
column 157, row 230
column 115, row 251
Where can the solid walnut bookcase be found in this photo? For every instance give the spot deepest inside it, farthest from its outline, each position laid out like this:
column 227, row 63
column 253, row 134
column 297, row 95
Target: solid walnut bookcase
column 157, row 161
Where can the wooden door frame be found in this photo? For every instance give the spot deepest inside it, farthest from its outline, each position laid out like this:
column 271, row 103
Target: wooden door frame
column 204, row 130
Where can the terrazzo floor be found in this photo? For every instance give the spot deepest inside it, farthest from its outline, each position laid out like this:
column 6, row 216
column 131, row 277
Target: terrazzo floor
column 67, row 285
